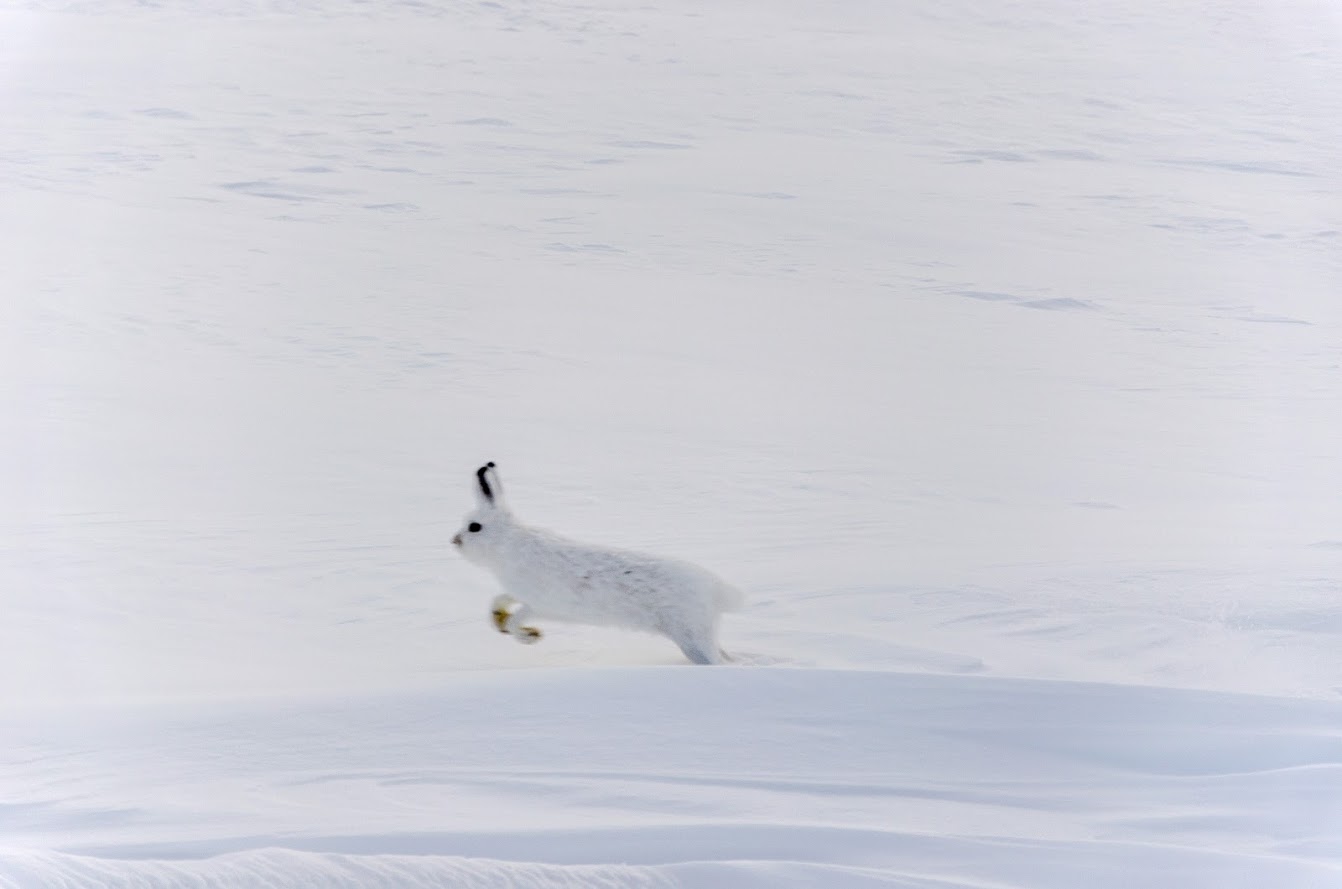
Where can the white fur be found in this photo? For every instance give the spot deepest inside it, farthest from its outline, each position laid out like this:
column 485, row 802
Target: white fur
column 546, row 576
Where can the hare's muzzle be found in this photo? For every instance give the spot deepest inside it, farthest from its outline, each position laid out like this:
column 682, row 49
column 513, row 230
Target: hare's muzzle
column 456, row 539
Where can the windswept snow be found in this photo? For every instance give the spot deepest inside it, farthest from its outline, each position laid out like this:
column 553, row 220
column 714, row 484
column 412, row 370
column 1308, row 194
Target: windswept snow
column 798, row 777
column 992, row 348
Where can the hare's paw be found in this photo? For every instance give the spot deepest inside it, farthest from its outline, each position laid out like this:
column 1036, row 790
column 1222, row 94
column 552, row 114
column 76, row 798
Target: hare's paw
column 510, row 617
column 502, row 608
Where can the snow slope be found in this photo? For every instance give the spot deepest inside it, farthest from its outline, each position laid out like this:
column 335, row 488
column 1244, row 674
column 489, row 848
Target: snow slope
column 991, row 347
column 660, row 776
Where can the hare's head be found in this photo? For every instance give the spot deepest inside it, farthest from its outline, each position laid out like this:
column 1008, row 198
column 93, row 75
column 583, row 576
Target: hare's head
column 486, row 525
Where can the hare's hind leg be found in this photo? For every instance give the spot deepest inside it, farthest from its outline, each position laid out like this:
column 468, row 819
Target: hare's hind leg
column 510, row 617
column 698, row 655
column 700, row 648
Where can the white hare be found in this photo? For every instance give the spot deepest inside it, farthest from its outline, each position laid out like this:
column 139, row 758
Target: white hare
column 545, row 576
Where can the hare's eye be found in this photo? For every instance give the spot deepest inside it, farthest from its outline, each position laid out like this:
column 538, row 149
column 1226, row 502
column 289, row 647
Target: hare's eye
column 474, row 526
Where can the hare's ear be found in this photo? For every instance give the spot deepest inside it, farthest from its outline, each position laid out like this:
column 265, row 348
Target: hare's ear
column 489, row 490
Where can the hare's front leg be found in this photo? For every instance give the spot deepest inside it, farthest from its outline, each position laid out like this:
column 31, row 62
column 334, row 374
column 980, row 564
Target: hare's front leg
column 510, row 617
column 502, row 607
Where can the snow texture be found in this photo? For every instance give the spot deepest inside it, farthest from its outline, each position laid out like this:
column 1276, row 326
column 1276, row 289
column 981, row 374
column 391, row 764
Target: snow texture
column 991, row 348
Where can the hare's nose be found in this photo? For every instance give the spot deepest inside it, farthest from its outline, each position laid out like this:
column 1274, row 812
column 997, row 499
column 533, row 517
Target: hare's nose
column 457, row 539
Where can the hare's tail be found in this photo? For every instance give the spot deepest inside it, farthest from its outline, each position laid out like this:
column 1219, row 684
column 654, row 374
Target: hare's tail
column 729, row 598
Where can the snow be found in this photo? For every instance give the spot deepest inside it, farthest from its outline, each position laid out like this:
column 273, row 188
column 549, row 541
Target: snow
column 991, row 348
column 754, row 776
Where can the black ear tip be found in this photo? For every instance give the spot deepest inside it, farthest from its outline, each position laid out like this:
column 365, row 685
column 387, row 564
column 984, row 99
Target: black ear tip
column 484, row 485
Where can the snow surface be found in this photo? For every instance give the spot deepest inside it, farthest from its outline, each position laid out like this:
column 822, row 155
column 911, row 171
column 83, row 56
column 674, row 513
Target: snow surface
column 991, row 347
